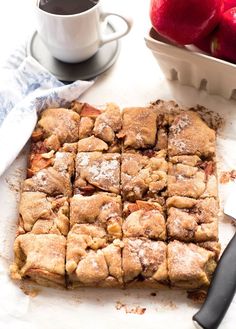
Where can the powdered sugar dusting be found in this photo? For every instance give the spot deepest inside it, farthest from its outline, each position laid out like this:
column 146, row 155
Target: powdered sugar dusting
column 180, row 124
column 107, row 206
column 60, row 155
column 94, row 263
column 180, row 177
column 139, row 137
column 41, row 177
column 104, row 170
column 187, row 257
column 143, row 257
column 179, row 144
column 101, row 127
column 83, row 159
column 110, row 207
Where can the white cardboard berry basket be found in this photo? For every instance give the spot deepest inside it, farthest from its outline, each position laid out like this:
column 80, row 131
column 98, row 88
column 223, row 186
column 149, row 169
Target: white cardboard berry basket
column 193, row 68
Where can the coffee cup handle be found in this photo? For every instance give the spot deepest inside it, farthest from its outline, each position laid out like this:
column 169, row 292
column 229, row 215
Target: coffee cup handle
column 118, row 34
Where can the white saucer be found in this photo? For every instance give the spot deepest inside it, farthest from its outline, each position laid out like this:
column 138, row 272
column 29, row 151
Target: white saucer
column 99, row 63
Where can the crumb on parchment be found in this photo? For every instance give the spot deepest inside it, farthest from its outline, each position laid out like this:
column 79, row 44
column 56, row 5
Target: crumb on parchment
column 227, row 176
column 134, row 309
column 197, row 297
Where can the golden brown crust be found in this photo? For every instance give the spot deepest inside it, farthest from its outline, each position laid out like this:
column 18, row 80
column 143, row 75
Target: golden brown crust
column 90, row 260
column 144, row 260
column 103, row 124
column 143, row 176
column 197, row 181
column 189, row 266
column 92, row 144
column 40, row 214
column 189, row 134
column 59, row 126
column 102, row 209
column 139, row 127
column 158, row 159
column 40, row 258
column 54, row 180
column 192, row 220
column 145, row 220
column 101, row 171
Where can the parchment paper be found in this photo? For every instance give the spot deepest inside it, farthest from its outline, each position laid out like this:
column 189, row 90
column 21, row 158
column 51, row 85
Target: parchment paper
column 100, row 308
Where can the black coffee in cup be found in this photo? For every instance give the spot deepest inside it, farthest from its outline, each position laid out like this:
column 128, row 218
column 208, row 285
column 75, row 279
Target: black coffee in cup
column 66, row 7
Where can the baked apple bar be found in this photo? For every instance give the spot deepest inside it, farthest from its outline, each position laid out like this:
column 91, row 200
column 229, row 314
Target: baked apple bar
column 55, row 127
column 143, row 175
column 96, row 171
column 55, row 178
column 40, row 214
column 144, row 263
column 192, row 220
column 144, row 219
column 101, row 209
column 40, row 258
column 139, row 127
column 189, row 265
column 190, row 135
column 91, row 260
column 101, row 124
column 189, row 176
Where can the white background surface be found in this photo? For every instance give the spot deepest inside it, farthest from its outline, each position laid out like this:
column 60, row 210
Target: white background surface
column 135, row 79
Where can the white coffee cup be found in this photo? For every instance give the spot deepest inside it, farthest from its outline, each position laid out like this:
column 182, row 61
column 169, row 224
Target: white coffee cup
column 75, row 38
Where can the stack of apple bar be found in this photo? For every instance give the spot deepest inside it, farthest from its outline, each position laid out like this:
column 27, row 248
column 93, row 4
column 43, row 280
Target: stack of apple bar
column 119, row 199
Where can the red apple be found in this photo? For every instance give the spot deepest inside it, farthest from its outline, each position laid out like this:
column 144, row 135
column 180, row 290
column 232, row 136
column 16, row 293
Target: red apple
column 229, row 4
column 185, row 21
column 224, row 42
column 205, row 43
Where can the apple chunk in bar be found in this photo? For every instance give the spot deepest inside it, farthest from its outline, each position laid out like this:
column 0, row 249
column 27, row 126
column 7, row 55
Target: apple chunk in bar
column 91, row 260
column 96, row 171
column 144, row 219
column 190, row 266
column 192, row 220
column 53, row 180
column 40, row 258
column 143, row 175
column 190, row 135
column 189, row 176
column 55, row 127
column 101, row 124
column 101, row 209
column 40, row 214
column 144, row 263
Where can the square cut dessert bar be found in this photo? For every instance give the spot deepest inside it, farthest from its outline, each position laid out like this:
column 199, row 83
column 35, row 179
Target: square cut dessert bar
column 91, row 260
column 61, row 161
column 144, row 263
column 143, row 175
column 189, row 265
column 143, row 128
column 40, row 214
column 54, row 178
column 144, row 219
column 190, row 135
column 96, row 171
column 55, row 127
column 101, row 209
column 139, row 127
column 189, row 176
column 98, row 128
column 40, row 258
column 192, row 220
